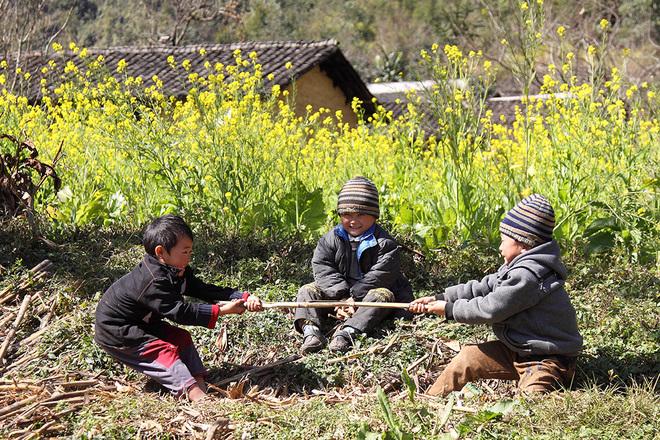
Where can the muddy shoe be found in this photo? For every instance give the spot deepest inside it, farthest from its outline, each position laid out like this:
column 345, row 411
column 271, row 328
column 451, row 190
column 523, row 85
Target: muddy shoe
column 342, row 341
column 312, row 343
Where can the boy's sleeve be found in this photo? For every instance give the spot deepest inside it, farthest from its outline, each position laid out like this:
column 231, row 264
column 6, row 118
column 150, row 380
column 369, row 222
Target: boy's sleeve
column 161, row 299
column 383, row 273
column 326, row 274
column 519, row 291
column 471, row 289
column 210, row 292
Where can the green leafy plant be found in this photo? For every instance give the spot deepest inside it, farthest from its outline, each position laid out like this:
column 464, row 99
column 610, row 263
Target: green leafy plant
column 394, row 431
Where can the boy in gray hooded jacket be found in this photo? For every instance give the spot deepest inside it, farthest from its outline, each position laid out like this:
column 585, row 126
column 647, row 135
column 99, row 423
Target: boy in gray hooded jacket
column 526, row 304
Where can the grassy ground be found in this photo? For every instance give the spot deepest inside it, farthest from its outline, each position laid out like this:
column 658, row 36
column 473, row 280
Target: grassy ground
column 325, row 396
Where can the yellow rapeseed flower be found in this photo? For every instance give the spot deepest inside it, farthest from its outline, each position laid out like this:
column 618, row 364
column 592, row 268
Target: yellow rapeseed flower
column 561, row 30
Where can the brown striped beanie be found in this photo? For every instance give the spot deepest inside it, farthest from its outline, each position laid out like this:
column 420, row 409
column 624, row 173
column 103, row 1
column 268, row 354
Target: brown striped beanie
column 358, row 195
column 530, row 222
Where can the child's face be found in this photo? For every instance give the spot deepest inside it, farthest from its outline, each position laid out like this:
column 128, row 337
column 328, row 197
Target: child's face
column 510, row 248
column 179, row 256
column 355, row 224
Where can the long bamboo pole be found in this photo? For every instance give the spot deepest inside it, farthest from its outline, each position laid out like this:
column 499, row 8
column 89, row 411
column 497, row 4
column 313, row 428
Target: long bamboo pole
column 328, row 304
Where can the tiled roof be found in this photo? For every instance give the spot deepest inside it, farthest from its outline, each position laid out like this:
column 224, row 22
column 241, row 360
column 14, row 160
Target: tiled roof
column 272, row 55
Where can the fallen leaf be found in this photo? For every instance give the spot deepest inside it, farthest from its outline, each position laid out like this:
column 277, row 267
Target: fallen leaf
column 221, row 341
column 454, row 345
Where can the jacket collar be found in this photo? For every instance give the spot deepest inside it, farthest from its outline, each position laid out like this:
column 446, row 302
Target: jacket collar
column 159, row 269
column 367, row 239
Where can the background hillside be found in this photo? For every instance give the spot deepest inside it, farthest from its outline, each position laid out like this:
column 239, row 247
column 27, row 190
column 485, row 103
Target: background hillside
column 381, row 38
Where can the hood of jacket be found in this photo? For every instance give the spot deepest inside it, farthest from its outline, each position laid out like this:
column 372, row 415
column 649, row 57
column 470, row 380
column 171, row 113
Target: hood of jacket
column 540, row 259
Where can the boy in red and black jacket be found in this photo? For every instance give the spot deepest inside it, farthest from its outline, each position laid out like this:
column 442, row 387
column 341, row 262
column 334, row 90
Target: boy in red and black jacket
column 129, row 316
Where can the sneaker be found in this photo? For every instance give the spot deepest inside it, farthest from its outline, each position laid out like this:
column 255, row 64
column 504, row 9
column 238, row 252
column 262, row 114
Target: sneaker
column 342, row 341
column 312, row 343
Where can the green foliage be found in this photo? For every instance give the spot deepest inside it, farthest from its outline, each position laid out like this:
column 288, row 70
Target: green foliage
column 615, row 301
column 304, row 209
column 394, row 431
column 625, row 224
column 409, row 384
column 479, row 422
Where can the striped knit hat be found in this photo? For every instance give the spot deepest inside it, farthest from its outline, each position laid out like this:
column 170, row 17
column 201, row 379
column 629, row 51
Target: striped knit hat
column 358, row 195
column 530, row 222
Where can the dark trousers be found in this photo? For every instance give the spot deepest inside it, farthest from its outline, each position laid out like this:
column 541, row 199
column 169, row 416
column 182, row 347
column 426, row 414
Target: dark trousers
column 364, row 319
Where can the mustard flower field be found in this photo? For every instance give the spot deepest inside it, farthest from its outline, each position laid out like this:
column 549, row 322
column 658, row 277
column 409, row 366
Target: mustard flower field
column 236, row 156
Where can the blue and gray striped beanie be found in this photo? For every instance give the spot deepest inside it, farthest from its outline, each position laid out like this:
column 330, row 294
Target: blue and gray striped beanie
column 358, row 195
column 530, row 222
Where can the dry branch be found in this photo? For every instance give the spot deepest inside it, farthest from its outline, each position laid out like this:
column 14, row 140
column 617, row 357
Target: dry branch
column 17, row 323
column 256, row 370
column 37, row 273
column 36, row 411
column 7, row 411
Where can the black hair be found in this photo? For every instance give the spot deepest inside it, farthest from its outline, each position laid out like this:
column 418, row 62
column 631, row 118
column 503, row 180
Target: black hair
column 165, row 231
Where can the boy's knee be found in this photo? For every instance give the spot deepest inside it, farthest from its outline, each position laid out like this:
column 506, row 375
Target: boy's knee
column 309, row 292
column 380, row 294
column 543, row 377
column 179, row 337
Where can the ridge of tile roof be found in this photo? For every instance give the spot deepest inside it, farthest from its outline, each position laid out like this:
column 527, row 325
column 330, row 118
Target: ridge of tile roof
column 273, row 56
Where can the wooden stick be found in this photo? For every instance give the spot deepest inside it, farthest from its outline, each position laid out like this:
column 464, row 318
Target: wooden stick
column 22, row 361
column 79, row 399
column 56, row 397
column 13, row 291
column 5, row 319
column 328, row 304
column 416, row 364
column 37, row 273
column 20, row 387
column 17, row 406
column 17, row 322
column 33, row 337
column 79, row 384
column 42, row 430
column 256, row 370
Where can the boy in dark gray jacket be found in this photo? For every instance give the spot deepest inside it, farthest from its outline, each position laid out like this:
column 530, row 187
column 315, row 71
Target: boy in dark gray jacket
column 526, row 304
column 357, row 260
